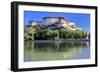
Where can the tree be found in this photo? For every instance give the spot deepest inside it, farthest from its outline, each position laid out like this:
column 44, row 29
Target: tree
column 72, row 26
column 44, row 33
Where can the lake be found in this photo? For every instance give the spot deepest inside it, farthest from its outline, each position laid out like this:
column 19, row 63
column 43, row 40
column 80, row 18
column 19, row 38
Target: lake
column 56, row 50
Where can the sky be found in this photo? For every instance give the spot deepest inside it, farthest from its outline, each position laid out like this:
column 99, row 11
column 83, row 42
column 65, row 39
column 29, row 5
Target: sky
column 80, row 19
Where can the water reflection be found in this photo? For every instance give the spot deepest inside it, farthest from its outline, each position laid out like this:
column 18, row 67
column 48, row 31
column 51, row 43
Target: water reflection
column 56, row 50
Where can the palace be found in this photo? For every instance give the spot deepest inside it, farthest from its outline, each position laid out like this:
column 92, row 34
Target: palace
column 54, row 23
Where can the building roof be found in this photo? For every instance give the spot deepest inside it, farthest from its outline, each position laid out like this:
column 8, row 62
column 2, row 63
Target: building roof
column 53, row 17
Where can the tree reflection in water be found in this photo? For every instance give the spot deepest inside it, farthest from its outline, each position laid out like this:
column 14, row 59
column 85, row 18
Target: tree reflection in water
column 56, row 50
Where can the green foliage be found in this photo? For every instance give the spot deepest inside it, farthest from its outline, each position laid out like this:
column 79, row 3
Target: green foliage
column 72, row 26
column 44, row 33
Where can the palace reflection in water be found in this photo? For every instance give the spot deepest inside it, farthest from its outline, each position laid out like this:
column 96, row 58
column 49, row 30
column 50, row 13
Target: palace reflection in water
column 56, row 50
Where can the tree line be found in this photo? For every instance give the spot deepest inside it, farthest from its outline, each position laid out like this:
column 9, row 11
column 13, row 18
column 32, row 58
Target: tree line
column 44, row 33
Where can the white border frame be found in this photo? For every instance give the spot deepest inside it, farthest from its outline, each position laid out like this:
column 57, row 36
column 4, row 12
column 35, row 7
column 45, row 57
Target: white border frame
column 22, row 64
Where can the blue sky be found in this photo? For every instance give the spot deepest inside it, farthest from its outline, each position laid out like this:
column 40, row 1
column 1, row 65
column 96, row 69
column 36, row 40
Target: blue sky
column 81, row 20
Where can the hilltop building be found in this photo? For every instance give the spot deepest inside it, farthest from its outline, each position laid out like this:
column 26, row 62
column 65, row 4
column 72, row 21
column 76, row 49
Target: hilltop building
column 54, row 20
column 54, row 23
column 34, row 23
